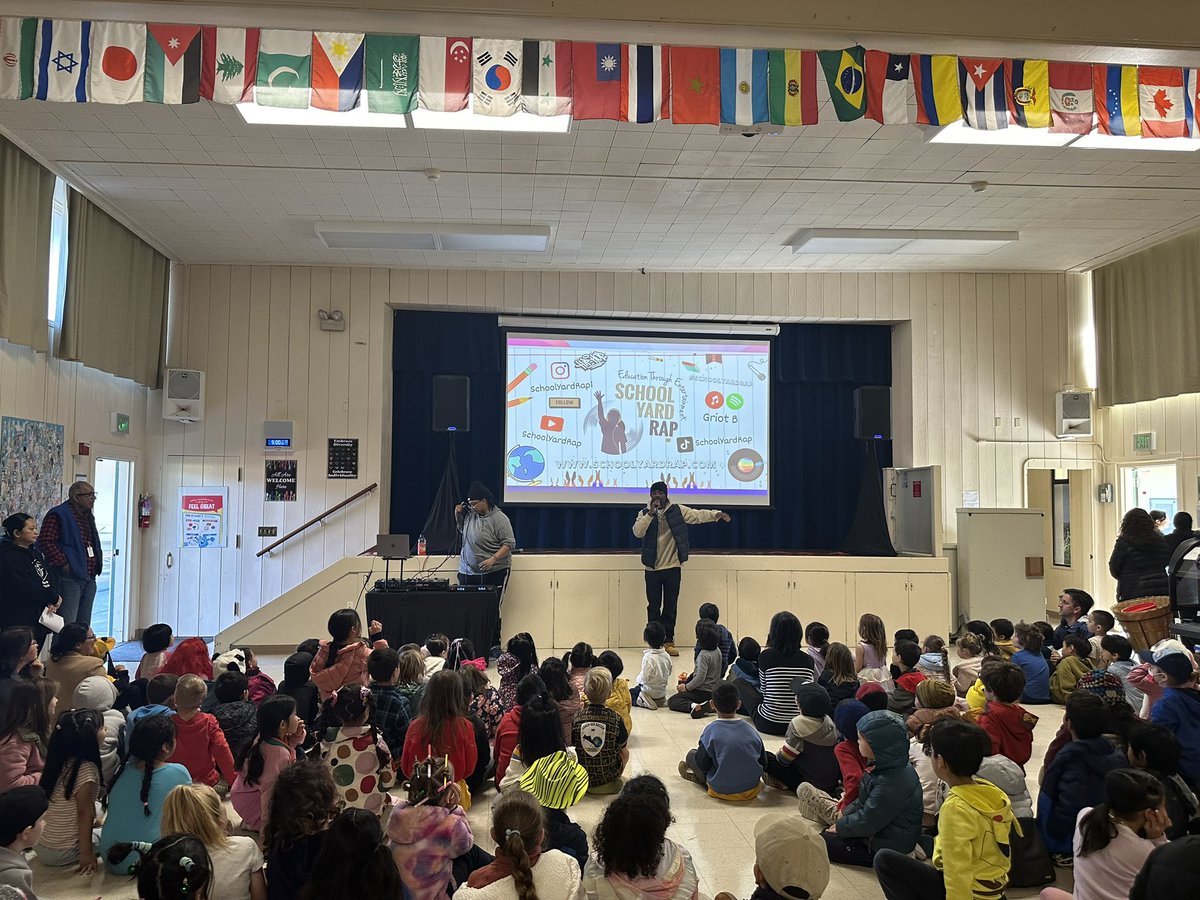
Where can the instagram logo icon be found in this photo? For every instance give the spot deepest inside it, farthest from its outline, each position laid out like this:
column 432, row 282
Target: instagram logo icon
column 560, row 371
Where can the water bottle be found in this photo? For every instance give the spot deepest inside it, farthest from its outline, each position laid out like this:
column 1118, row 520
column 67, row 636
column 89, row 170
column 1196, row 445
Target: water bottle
column 421, row 545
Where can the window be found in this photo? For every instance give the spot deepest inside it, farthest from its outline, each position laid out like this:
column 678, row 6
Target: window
column 58, row 253
column 1060, row 516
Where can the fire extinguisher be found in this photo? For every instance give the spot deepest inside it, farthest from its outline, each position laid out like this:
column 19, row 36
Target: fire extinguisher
column 145, row 506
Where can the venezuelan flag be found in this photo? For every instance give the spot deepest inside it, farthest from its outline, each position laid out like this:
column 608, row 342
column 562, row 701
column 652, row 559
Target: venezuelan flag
column 1117, row 109
column 935, row 79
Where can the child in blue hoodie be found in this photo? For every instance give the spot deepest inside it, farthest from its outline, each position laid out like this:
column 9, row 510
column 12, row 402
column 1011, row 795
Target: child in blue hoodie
column 887, row 813
column 744, row 675
column 1178, row 710
column 160, row 699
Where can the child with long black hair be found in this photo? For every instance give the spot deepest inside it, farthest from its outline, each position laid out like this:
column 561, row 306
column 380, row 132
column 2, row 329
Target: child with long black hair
column 304, row 801
column 280, row 732
column 362, row 769
column 517, row 661
column 554, row 675
column 579, row 659
column 354, row 861
column 172, row 867
column 72, row 782
column 135, row 801
column 342, row 660
column 24, row 731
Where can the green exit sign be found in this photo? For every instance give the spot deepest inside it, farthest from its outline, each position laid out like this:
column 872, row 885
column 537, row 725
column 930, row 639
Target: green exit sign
column 1143, row 442
column 120, row 423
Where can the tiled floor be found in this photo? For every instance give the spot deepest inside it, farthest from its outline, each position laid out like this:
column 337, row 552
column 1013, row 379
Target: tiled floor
column 719, row 835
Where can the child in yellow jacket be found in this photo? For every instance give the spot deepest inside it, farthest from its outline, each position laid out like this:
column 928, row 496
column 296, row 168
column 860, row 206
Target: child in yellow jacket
column 1075, row 663
column 971, row 856
column 619, row 701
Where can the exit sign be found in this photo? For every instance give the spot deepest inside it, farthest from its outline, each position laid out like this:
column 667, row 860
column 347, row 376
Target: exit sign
column 1143, row 442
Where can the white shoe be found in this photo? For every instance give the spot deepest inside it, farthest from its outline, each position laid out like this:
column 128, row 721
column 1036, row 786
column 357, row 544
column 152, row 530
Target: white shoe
column 645, row 701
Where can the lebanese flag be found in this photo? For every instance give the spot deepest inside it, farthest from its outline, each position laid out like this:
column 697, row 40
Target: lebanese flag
column 597, row 71
column 695, row 85
column 337, row 73
column 546, row 78
column 643, row 83
column 444, row 73
column 887, row 87
column 1072, row 102
column 172, row 64
column 1161, row 98
column 228, row 64
column 118, row 72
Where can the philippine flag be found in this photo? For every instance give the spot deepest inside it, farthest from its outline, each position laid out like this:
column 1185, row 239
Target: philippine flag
column 337, row 70
column 984, row 93
column 744, row 86
column 63, row 54
column 646, row 72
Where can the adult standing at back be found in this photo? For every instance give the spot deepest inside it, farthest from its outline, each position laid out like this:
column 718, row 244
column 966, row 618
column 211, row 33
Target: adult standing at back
column 71, row 544
column 24, row 577
column 1183, row 531
column 662, row 528
column 1139, row 558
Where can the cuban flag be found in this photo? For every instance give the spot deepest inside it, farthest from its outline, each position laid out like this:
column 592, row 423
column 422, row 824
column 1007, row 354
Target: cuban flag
column 645, row 73
column 337, row 70
column 64, row 51
column 744, row 86
column 984, row 93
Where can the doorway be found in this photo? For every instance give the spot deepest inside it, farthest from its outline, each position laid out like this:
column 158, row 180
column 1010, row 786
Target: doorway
column 113, row 482
column 1149, row 488
column 1065, row 495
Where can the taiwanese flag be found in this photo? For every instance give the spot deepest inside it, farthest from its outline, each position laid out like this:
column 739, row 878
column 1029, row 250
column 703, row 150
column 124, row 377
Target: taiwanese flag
column 337, row 70
column 695, row 85
column 597, row 77
column 1071, row 99
column 1161, row 101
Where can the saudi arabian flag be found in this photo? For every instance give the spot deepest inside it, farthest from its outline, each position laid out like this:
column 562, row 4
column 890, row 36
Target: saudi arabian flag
column 391, row 72
column 845, row 70
column 18, row 38
column 284, row 68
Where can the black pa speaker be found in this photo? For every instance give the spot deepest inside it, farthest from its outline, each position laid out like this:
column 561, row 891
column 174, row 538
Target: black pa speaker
column 451, row 403
column 873, row 413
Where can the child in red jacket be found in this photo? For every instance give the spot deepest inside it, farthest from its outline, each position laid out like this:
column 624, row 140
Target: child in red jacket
column 818, row 806
column 1008, row 725
column 200, row 745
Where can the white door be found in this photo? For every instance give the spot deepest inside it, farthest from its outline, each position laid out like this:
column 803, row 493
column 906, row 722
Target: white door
column 199, row 592
column 113, row 483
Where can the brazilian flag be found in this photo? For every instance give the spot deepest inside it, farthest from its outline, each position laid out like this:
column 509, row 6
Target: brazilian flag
column 845, row 72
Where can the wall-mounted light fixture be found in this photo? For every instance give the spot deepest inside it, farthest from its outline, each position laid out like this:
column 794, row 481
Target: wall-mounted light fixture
column 331, row 319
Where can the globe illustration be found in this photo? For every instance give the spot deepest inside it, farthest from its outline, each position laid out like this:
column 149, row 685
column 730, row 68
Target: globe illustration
column 525, row 463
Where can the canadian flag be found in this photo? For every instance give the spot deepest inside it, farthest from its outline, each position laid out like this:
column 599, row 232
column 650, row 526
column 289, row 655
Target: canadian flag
column 1161, row 99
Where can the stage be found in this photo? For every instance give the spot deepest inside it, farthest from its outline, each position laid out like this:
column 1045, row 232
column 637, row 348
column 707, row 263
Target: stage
column 562, row 598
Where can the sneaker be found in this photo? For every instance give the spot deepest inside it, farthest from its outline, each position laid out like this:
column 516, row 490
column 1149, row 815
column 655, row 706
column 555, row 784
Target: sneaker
column 1063, row 860
column 687, row 774
column 645, row 701
column 771, row 781
column 670, row 648
column 698, row 711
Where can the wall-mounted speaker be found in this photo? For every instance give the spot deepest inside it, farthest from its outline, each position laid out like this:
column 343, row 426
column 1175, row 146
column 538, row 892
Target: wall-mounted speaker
column 451, row 403
column 873, row 413
column 183, row 395
column 1073, row 414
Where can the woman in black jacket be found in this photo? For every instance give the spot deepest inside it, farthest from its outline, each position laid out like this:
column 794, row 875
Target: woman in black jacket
column 24, row 578
column 1139, row 558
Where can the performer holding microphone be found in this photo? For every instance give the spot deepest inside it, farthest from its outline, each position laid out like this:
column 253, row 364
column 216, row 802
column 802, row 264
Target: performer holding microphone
column 487, row 542
column 662, row 526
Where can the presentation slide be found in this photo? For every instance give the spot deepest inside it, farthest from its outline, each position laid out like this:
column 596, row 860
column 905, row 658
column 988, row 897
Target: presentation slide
column 599, row 419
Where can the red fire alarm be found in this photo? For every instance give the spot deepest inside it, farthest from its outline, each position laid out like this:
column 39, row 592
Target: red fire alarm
column 85, row 450
column 916, row 489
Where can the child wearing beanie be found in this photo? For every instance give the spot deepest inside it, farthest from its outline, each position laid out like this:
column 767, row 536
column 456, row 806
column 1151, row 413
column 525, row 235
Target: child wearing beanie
column 935, row 701
column 807, row 752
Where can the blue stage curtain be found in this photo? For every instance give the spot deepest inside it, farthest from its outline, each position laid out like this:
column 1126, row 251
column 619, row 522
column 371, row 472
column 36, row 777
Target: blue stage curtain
column 817, row 460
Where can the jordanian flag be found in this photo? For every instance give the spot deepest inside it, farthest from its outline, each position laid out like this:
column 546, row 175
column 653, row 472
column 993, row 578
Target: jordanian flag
column 393, row 63
column 284, row 68
column 18, row 39
column 172, row 64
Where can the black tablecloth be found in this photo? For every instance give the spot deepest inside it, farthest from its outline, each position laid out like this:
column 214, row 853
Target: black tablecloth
column 410, row 617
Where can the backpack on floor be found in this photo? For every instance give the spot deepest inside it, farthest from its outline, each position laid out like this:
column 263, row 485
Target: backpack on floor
column 1031, row 863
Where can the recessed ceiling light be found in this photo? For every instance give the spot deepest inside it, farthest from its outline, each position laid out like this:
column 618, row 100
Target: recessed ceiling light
column 359, row 117
column 959, row 133
column 355, row 118
column 1112, row 142
column 433, row 236
column 466, row 120
column 861, row 241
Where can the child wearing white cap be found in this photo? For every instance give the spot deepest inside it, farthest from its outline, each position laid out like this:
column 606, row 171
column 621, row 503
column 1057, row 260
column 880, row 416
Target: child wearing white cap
column 791, row 861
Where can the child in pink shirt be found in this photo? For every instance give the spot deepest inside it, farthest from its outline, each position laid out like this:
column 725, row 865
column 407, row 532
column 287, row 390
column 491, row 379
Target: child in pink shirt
column 280, row 732
column 343, row 660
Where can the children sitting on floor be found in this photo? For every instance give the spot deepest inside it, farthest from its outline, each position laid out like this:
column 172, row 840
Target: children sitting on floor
column 234, row 712
column 280, row 732
column 392, row 712
column 200, row 745
column 819, row 806
column 619, row 700
column 729, row 758
column 1072, row 666
column 1178, row 710
column 1002, row 634
column 353, row 748
column 807, row 751
column 518, row 660
column 1155, row 750
column 816, row 642
column 1116, row 656
column 1028, row 640
column 1009, row 727
column 342, row 659
column 22, row 820
column 711, row 612
column 903, row 699
column 578, row 661
column 599, row 735
column 790, row 859
column 156, row 640
column 692, row 695
column 935, row 659
column 650, row 692
column 743, row 675
column 1100, row 622
column 838, row 678
column 970, row 654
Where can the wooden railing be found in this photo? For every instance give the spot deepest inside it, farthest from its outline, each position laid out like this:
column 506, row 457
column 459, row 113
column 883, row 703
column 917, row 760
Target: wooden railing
column 313, row 521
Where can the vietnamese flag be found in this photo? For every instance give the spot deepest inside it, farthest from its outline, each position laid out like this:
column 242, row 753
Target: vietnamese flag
column 695, row 85
column 596, row 70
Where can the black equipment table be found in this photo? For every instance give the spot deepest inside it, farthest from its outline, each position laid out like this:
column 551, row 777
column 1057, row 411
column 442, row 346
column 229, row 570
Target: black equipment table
column 411, row 616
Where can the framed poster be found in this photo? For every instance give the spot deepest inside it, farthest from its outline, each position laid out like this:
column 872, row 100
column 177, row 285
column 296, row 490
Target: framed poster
column 31, row 465
column 203, row 517
column 343, row 458
column 282, row 475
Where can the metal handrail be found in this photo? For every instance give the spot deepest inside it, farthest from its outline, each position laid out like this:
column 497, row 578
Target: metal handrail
column 311, row 522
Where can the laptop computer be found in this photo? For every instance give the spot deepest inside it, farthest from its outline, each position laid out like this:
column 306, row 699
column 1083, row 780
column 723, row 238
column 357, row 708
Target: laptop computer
column 393, row 546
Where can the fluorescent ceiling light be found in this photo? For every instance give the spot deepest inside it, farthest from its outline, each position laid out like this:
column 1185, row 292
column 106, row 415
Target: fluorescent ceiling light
column 466, row 120
column 1112, row 142
column 433, row 236
column 657, row 326
column 861, row 241
column 355, row 118
column 1013, row 136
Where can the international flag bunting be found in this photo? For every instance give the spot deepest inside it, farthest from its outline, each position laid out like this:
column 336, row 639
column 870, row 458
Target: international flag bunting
column 792, row 86
column 646, row 72
column 596, row 81
column 1028, row 92
column 845, row 72
column 284, row 68
column 984, row 93
column 172, row 64
column 228, row 64
column 887, row 87
column 1191, row 101
column 546, row 78
column 1071, row 98
column 743, row 86
column 496, row 84
column 117, row 73
column 393, row 62
column 1161, row 101
column 18, row 40
column 63, row 53
column 1116, row 97
column 337, row 70
column 935, row 82
column 444, row 73
column 695, row 85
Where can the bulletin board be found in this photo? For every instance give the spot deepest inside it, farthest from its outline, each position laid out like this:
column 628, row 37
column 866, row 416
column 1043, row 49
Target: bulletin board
column 31, row 466
column 918, row 506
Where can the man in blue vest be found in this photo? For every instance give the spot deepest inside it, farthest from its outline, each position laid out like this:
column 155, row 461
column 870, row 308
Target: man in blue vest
column 71, row 544
column 662, row 526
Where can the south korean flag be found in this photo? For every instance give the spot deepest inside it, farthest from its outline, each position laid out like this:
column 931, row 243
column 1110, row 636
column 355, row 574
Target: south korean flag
column 496, row 85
